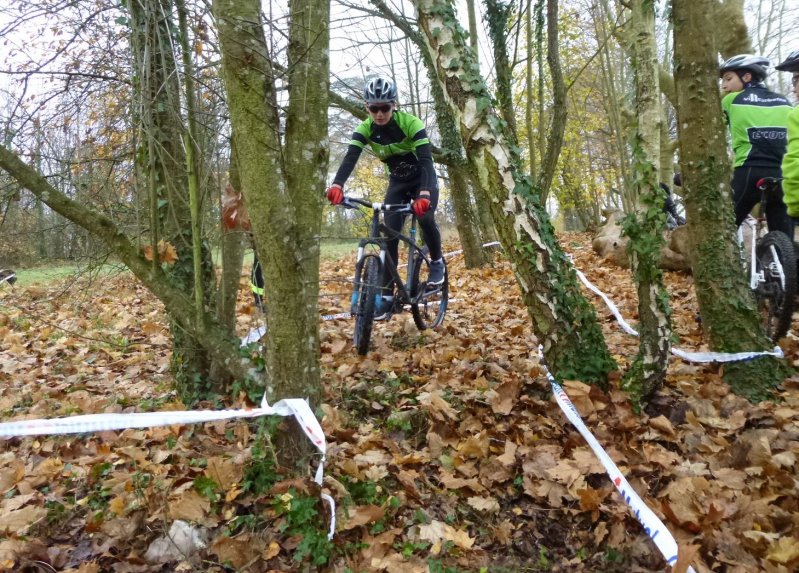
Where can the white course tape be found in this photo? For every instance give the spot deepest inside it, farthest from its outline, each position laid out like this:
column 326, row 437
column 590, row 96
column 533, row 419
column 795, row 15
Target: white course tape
column 702, row 357
column 10, row 279
column 653, row 526
column 254, row 335
column 101, row 422
column 459, row 251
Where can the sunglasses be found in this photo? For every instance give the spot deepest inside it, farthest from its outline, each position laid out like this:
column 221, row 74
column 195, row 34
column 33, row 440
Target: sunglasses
column 380, row 108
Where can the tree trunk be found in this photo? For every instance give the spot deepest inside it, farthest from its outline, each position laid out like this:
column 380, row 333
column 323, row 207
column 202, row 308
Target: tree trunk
column 646, row 222
column 232, row 247
column 473, row 254
column 729, row 28
column 529, row 99
column 563, row 321
column 498, row 14
column 282, row 185
column 725, row 300
column 557, row 128
column 165, row 168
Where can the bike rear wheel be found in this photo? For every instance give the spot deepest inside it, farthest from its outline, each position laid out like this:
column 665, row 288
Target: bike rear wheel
column 776, row 293
column 428, row 305
column 366, row 290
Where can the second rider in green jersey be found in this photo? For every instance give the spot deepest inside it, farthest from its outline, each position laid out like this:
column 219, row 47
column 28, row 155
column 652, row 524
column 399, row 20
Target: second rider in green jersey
column 758, row 120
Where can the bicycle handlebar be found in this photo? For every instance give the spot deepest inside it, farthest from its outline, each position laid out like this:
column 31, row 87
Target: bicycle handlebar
column 399, row 208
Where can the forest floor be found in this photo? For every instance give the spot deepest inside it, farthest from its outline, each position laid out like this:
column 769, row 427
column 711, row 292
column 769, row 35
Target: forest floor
column 446, row 450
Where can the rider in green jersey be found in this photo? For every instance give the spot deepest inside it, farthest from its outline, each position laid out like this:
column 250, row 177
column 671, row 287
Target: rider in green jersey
column 758, row 120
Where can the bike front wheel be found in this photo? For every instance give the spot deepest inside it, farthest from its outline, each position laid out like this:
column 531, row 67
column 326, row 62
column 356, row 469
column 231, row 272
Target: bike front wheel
column 365, row 293
column 428, row 303
column 776, row 290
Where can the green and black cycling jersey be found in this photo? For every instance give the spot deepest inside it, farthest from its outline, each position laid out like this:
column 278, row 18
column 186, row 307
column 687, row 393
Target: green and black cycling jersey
column 758, row 120
column 402, row 144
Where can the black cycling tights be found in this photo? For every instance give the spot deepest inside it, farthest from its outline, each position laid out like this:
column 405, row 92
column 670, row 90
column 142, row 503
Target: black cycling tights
column 402, row 192
column 746, row 196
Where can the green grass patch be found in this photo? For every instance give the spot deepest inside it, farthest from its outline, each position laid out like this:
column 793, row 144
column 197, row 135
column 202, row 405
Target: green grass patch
column 56, row 272
column 46, row 274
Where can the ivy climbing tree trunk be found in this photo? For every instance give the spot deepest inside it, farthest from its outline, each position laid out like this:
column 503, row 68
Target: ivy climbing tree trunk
column 646, row 221
column 563, row 320
column 282, row 181
column 167, row 169
column 729, row 316
column 498, row 14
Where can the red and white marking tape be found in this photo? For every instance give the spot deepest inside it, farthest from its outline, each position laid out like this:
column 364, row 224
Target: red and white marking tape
column 653, row 526
column 101, row 422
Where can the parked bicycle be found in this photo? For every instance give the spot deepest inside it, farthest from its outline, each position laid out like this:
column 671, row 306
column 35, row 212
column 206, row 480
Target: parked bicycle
column 771, row 266
column 428, row 303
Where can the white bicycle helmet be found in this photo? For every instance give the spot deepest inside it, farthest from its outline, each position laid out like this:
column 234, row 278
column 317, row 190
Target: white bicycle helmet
column 791, row 63
column 380, row 90
column 742, row 63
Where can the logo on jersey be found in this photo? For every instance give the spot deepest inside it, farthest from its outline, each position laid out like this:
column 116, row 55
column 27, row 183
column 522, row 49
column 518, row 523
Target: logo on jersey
column 768, row 135
column 753, row 98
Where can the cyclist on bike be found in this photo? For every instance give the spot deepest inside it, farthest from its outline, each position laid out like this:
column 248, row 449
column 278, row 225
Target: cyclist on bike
column 758, row 120
column 790, row 162
column 400, row 141
column 673, row 217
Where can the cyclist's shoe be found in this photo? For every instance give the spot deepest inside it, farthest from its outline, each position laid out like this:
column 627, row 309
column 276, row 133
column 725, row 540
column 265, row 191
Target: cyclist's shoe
column 384, row 309
column 436, row 277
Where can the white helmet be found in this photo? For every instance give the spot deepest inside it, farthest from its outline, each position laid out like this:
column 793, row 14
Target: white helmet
column 380, row 90
column 791, row 63
column 743, row 63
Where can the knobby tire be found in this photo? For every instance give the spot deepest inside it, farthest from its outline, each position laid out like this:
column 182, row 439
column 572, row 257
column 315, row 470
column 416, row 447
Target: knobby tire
column 366, row 287
column 775, row 302
column 428, row 307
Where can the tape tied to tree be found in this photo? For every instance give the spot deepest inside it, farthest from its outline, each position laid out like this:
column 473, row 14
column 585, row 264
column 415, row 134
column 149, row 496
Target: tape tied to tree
column 296, row 407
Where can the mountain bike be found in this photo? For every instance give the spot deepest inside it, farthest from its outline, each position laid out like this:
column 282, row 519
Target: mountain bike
column 428, row 304
column 771, row 266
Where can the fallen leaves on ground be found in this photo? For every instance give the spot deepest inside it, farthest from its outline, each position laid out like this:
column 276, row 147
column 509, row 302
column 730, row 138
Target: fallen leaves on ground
column 446, row 450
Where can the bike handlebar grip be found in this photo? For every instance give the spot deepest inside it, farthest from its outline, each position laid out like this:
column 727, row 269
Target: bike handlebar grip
column 765, row 183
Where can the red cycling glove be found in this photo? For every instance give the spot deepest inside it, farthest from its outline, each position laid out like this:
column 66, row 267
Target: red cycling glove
column 421, row 206
column 335, row 195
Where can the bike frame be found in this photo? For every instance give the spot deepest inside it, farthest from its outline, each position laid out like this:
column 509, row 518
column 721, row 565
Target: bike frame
column 379, row 235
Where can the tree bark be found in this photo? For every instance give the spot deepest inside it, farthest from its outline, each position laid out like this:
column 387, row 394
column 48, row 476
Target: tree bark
column 167, row 171
column 563, row 321
column 645, row 224
column 728, row 312
column 557, row 128
column 729, row 28
column 497, row 14
column 282, row 185
column 474, row 256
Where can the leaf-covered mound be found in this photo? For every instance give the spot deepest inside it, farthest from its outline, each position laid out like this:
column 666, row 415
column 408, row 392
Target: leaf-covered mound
column 446, row 451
